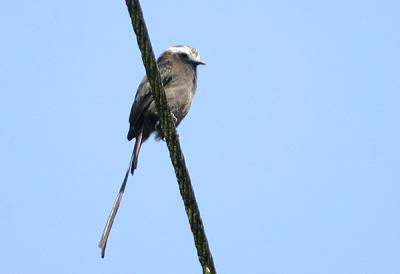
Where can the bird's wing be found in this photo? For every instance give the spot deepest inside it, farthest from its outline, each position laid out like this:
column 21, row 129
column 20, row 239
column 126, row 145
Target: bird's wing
column 143, row 99
column 144, row 96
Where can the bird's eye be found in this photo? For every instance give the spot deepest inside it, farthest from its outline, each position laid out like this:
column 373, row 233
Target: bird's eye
column 184, row 55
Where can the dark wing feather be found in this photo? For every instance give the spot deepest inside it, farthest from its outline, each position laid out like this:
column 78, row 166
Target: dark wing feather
column 144, row 98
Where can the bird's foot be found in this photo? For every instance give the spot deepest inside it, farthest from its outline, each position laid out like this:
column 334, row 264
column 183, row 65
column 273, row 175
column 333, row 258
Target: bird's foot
column 174, row 119
column 158, row 125
column 160, row 135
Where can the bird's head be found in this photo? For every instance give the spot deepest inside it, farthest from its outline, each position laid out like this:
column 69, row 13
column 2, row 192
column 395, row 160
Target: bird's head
column 185, row 53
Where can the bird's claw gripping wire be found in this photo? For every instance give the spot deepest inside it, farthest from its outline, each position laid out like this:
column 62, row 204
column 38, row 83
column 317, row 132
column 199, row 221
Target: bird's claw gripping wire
column 158, row 127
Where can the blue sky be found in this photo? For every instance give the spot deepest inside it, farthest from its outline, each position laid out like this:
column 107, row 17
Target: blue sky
column 292, row 141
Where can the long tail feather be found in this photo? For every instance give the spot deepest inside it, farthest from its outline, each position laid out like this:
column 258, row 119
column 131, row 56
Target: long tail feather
column 113, row 213
column 132, row 166
column 136, row 150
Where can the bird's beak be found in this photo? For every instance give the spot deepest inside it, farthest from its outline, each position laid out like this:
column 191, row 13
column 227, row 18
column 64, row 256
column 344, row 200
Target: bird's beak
column 199, row 62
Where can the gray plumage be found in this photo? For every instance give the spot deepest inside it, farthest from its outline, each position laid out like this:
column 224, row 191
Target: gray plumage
column 178, row 69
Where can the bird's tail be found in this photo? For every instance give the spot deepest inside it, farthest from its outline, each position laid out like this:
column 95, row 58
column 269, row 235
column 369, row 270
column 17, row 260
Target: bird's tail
column 136, row 150
column 132, row 166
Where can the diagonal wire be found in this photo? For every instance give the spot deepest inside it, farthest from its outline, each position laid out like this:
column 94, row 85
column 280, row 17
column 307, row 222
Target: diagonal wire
column 169, row 130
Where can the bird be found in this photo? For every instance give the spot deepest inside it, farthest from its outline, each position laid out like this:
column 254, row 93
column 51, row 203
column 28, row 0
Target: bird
column 178, row 70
